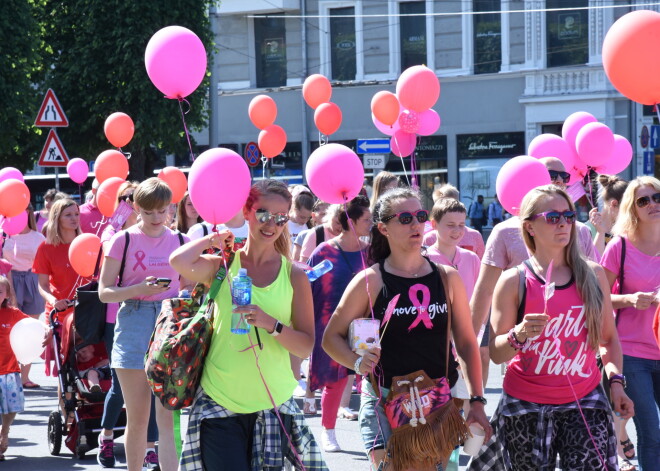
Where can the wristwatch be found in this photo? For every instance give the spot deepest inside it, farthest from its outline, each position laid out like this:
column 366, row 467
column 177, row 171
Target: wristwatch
column 478, row 399
column 356, row 366
column 277, row 330
column 618, row 379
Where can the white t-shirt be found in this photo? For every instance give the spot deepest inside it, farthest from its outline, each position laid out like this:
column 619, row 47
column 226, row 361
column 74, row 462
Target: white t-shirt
column 20, row 249
column 295, row 229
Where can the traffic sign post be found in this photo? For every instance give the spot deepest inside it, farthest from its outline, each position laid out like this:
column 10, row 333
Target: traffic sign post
column 644, row 137
column 649, row 162
column 374, row 162
column 51, row 114
column 53, row 153
column 655, row 136
column 251, row 154
column 373, row 146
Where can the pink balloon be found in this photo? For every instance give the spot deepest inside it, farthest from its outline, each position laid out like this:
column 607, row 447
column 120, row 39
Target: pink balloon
column 335, row 173
column 516, row 178
column 594, row 144
column 77, row 169
column 409, row 121
column 621, row 157
column 551, row 145
column 402, row 144
column 219, row 184
column 429, row 122
column 8, row 173
column 175, row 59
column 13, row 226
column 573, row 124
column 384, row 128
column 418, row 88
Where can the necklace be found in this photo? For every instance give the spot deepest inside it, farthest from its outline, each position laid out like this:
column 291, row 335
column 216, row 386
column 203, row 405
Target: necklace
column 414, row 275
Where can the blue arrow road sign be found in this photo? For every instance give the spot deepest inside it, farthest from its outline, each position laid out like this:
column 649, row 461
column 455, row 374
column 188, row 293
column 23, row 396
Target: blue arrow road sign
column 655, row 136
column 373, row 146
column 649, row 162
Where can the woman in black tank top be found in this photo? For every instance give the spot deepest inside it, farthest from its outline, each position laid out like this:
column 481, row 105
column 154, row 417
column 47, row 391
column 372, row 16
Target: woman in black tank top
column 416, row 333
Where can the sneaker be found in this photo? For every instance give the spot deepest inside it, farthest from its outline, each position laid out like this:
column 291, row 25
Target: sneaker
column 301, row 389
column 106, row 454
column 329, row 441
column 151, row 462
column 347, row 413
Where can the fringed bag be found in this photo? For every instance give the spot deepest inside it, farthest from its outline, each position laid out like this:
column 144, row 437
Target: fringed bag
column 426, row 424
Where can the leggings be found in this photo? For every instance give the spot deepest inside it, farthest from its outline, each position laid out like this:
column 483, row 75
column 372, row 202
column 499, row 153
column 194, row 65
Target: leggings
column 570, row 439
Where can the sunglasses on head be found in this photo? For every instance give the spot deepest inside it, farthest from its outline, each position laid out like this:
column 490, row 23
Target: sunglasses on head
column 553, row 217
column 406, row 217
column 644, row 201
column 555, row 175
column 263, row 216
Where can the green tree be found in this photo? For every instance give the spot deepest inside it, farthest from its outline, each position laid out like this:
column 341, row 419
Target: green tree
column 95, row 56
column 19, row 68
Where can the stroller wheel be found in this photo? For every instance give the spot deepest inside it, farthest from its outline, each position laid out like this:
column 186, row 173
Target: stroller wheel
column 54, row 433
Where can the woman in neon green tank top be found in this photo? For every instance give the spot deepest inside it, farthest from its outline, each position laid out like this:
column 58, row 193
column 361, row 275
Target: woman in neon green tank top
column 234, row 410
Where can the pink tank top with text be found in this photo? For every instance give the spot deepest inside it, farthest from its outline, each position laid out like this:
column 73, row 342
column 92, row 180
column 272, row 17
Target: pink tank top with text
column 538, row 372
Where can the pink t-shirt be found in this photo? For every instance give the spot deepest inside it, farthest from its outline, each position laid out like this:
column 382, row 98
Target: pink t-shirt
column 147, row 256
column 309, row 244
column 538, row 372
column 466, row 262
column 90, row 216
column 40, row 220
column 111, row 309
column 641, row 272
column 506, row 248
column 472, row 241
column 20, row 249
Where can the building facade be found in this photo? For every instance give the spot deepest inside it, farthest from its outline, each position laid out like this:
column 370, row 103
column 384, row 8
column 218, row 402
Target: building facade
column 509, row 70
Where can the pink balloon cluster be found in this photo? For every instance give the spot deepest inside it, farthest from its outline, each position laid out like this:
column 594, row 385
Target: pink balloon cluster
column 585, row 144
column 408, row 113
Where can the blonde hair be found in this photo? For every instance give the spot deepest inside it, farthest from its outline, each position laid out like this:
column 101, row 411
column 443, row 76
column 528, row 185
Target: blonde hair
column 4, row 281
column 382, row 181
column 53, row 235
column 585, row 278
column 627, row 221
column 446, row 190
column 152, row 194
column 273, row 187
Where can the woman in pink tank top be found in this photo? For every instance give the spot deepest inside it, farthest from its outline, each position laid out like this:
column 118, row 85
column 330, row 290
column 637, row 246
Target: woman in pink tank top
column 550, row 331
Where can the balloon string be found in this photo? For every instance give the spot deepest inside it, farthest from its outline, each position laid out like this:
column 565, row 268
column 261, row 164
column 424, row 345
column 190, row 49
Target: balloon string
column 185, row 128
column 126, row 154
column 589, row 188
column 323, row 139
column 263, row 166
column 405, row 173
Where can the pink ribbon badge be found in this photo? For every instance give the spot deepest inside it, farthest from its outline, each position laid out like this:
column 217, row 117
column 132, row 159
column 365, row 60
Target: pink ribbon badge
column 421, row 307
column 140, row 256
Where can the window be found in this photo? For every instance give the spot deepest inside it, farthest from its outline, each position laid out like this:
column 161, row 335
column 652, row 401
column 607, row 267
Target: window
column 270, row 48
column 487, row 37
column 413, row 34
column 567, row 33
column 342, row 44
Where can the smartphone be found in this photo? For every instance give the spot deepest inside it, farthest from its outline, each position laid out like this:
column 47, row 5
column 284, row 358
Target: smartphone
column 163, row 281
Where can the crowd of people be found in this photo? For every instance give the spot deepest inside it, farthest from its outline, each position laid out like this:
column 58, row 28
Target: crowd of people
column 567, row 306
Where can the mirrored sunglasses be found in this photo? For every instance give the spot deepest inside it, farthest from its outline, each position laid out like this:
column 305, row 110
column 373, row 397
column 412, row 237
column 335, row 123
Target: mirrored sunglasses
column 553, row 217
column 406, row 217
column 263, row 216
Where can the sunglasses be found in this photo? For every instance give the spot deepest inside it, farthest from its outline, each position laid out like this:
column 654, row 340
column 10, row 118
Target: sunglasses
column 127, row 198
column 553, row 217
column 644, row 201
column 406, row 217
column 555, row 175
column 264, row 216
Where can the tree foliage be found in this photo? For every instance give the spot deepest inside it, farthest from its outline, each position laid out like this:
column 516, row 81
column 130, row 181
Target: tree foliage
column 94, row 52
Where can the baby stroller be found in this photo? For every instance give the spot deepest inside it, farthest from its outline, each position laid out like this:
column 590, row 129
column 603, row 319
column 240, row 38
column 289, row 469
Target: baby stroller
column 78, row 343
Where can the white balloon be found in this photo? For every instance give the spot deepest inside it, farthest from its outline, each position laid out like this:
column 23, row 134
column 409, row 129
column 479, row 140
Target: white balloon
column 26, row 338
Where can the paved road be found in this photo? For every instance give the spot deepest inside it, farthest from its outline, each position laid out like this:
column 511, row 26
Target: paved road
column 28, row 449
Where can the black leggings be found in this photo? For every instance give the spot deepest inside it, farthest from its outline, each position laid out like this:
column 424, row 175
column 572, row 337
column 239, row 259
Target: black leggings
column 570, row 439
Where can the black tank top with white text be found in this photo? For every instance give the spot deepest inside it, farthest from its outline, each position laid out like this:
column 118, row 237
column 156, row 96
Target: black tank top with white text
column 417, row 333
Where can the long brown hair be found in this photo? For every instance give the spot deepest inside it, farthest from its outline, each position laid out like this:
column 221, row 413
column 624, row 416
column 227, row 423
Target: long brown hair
column 181, row 217
column 273, row 187
column 53, row 235
column 585, row 278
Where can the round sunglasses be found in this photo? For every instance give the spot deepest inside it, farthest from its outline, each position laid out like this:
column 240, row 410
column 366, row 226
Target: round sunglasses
column 406, row 217
column 644, row 201
column 553, row 217
column 264, row 216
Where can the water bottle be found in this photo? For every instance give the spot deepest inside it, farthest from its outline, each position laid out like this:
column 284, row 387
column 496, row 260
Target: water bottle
column 184, row 293
column 241, row 295
column 319, row 270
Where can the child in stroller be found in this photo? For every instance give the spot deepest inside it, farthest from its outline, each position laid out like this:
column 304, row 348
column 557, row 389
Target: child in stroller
column 92, row 369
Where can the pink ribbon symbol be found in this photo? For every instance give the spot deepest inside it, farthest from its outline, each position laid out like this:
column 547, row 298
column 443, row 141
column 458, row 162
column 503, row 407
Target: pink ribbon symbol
column 421, row 307
column 139, row 256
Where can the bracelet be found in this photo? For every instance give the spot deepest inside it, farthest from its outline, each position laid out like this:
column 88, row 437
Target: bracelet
column 356, row 366
column 513, row 341
column 618, row 379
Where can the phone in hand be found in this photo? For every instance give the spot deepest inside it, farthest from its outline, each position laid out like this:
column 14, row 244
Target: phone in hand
column 164, row 282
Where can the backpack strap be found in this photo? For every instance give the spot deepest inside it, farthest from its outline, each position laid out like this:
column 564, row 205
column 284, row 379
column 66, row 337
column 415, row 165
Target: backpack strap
column 205, row 229
column 320, row 234
column 445, row 285
column 620, row 277
column 522, row 293
column 123, row 258
column 181, row 239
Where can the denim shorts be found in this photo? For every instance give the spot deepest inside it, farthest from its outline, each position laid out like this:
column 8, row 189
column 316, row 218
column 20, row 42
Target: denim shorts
column 136, row 320
column 374, row 427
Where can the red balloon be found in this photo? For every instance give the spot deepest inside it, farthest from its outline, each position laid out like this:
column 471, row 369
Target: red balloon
column 385, row 107
column 106, row 195
column 119, row 129
column 110, row 163
column 14, row 197
column 176, row 180
column 316, row 90
column 631, row 58
column 327, row 118
column 83, row 253
column 262, row 111
column 272, row 141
